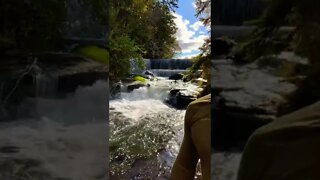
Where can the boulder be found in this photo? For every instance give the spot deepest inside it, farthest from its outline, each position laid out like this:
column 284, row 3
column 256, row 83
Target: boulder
column 222, row 46
column 173, row 92
column 200, row 81
column 136, row 85
column 183, row 101
column 181, row 98
column 148, row 73
column 178, row 76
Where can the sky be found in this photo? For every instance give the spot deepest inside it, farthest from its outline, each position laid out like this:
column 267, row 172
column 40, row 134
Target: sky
column 191, row 32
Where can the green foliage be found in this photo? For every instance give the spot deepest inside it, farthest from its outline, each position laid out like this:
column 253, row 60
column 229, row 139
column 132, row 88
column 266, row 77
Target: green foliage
column 204, row 11
column 140, row 78
column 203, row 61
column 140, row 29
column 149, row 23
column 95, row 53
column 122, row 50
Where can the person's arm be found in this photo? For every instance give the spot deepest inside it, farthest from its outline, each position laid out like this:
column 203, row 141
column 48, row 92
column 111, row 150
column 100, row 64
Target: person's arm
column 201, row 133
column 186, row 162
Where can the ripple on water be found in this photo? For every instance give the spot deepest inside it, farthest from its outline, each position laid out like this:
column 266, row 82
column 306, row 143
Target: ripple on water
column 145, row 135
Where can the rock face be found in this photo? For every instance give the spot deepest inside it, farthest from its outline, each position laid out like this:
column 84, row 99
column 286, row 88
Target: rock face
column 249, row 96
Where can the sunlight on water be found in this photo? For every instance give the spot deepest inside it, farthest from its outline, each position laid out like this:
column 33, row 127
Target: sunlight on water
column 145, row 133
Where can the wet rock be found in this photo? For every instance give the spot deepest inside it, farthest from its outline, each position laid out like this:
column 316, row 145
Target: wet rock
column 136, row 85
column 199, row 81
column 115, row 89
column 184, row 100
column 286, row 64
column 69, row 83
column 178, row 76
column 222, row 46
column 149, row 73
column 173, row 92
column 250, row 95
column 181, row 98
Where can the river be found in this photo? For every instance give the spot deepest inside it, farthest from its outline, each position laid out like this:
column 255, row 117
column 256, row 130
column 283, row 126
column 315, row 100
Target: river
column 145, row 132
column 65, row 139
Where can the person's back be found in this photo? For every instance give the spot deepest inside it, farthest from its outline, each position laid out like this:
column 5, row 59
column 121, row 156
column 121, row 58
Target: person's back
column 196, row 142
column 286, row 149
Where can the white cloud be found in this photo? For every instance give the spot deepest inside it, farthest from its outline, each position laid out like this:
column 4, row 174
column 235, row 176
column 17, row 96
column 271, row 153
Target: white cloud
column 194, row 5
column 196, row 26
column 187, row 56
column 183, row 30
column 186, row 35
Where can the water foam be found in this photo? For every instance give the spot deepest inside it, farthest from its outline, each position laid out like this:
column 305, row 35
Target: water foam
column 69, row 140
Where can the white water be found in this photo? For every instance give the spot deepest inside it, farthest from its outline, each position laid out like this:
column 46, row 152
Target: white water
column 69, row 139
column 145, row 132
column 163, row 67
column 225, row 165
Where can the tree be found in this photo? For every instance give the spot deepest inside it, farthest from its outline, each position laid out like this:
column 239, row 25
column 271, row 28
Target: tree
column 147, row 28
column 203, row 12
column 203, row 61
column 204, row 15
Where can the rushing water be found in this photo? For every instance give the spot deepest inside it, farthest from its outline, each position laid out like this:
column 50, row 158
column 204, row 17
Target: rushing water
column 145, row 133
column 164, row 67
column 65, row 140
column 225, row 165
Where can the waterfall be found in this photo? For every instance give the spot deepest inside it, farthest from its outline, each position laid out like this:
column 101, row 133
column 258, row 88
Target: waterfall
column 163, row 67
column 45, row 86
column 172, row 64
column 167, row 72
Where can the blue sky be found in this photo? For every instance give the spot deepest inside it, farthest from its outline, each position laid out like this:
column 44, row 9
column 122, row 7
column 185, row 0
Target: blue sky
column 191, row 31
